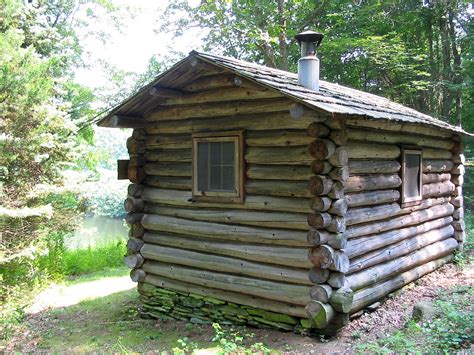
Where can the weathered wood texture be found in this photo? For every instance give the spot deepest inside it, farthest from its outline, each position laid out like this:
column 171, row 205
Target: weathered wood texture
column 203, row 260
column 284, row 292
column 236, row 297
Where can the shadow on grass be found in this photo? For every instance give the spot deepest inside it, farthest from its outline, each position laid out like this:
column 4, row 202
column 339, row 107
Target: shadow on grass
column 105, row 324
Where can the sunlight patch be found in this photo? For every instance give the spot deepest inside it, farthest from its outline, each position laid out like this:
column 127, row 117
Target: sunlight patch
column 58, row 296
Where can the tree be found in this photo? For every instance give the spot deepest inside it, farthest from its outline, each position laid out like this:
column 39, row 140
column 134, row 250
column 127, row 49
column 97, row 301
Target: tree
column 412, row 54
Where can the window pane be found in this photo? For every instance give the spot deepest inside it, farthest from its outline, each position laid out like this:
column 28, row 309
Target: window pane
column 411, row 185
column 215, row 153
column 216, row 180
column 228, row 178
column 203, row 166
column 228, row 153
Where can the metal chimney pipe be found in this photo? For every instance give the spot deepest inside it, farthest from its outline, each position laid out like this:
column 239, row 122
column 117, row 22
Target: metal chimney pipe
column 308, row 64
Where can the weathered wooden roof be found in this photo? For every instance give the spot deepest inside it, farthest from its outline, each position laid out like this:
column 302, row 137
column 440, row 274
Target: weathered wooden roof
column 332, row 99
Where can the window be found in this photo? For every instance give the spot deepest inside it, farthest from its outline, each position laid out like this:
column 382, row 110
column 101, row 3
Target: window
column 218, row 167
column 412, row 176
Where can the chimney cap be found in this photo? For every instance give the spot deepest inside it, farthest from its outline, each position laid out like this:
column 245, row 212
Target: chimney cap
column 310, row 36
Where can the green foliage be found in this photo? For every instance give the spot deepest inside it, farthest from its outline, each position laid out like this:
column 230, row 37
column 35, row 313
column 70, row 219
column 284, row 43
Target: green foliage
column 451, row 330
column 419, row 56
column 232, row 341
column 93, row 259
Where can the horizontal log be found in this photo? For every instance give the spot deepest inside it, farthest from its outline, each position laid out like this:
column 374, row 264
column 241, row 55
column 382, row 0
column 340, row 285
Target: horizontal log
column 337, row 225
column 317, row 130
column 433, row 177
column 252, row 202
column 135, row 190
column 325, row 257
column 459, row 159
column 284, row 292
column 337, row 190
column 139, row 134
column 134, row 260
column 458, row 213
column 225, row 295
column 318, row 276
column 438, row 189
column 382, row 271
column 278, row 188
column 137, row 275
column 372, row 182
column 176, row 155
column 133, row 217
column 430, row 153
column 457, row 201
column 338, row 136
column 169, row 182
column 168, row 141
column 299, row 112
column 135, row 146
column 459, row 225
column 321, row 149
column 320, row 203
column 278, row 155
column 279, row 172
column 457, row 180
column 120, row 121
column 421, row 213
column 340, row 157
column 362, row 245
column 218, row 81
column 224, row 232
column 372, row 213
column 377, row 136
column 339, row 173
column 132, row 204
column 216, row 109
column 370, row 198
column 137, row 160
column 320, row 185
column 221, row 95
column 357, row 150
column 369, row 295
column 255, row 121
column 401, row 248
column 321, row 236
column 136, row 231
column 337, row 279
column 168, row 169
column 321, row 167
column 373, row 166
column 221, row 264
column 394, row 126
column 458, row 169
column 165, row 92
column 280, row 138
column 437, row 166
column 341, row 300
column 319, row 220
column 134, row 245
column 136, row 174
column 321, row 313
column 460, row 236
column 321, row 293
column 339, row 207
column 457, row 191
column 230, row 216
column 272, row 254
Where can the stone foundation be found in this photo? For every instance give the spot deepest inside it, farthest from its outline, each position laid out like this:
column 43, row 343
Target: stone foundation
column 163, row 303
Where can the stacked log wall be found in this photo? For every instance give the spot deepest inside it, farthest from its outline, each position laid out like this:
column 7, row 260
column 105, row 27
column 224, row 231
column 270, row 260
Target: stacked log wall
column 388, row 244
column 253, row 254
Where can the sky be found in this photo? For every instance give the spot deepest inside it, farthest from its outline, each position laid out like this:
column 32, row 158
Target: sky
column 131, row 48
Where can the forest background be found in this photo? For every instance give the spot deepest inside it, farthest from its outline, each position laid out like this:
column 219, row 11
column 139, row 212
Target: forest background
column 53, row 163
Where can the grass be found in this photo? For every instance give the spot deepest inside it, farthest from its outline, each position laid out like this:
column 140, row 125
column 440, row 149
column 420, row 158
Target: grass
column 451, row 330
column 94, row 259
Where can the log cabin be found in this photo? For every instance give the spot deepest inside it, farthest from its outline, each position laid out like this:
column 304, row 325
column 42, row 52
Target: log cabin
column 268, row 198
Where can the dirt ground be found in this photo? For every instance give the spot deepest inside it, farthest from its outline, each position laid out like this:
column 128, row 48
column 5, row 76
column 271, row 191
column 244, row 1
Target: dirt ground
column 102, row 316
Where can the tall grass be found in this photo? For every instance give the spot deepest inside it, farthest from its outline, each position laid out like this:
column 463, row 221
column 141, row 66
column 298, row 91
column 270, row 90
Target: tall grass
column 94, row 258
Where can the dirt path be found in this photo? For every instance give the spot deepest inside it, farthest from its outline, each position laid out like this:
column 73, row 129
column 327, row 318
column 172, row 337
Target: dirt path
column 102, row 316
